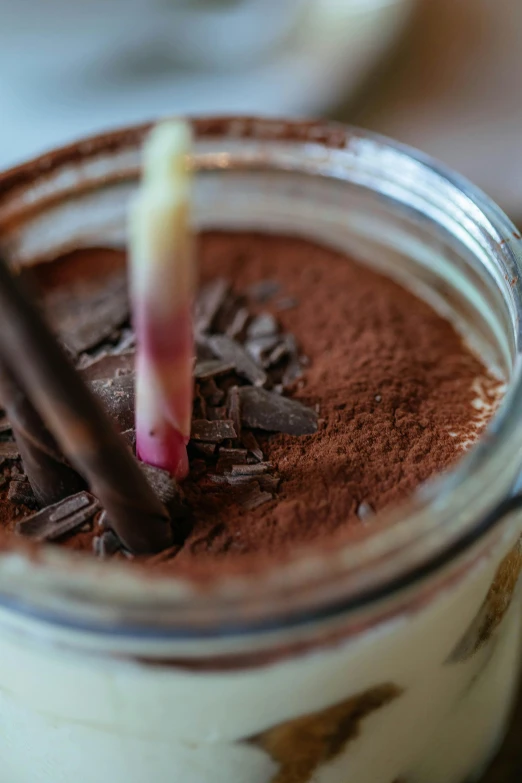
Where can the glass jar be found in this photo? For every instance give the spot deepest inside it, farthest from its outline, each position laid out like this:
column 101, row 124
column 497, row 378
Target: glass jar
column 393, row 658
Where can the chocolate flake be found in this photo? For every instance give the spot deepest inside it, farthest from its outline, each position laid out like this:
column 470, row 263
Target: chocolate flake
column 5, row 424
column 199, row 408
column 263, row 325
column 203, row 352
column 250, row 470
column 107, row 366
column 84, row 319
column 8, row 450
column 207, row 449
column 231, row 351
column 162, row 483
column 59, row 519
column 237, row 455
column 209, row 301
column 117, row 397
column 211, row 392
column 238, row 323
column 264, row 410
column 212, row 368
column 278, row 353
column 212, row 431
column 21, row 493
column 264, row 290
column 294, row 369
column 260, row 348
column 249, row 441
column 234, row 409
column 216, row 413
column 227, row 313
column 219, row 478
column 126, row 342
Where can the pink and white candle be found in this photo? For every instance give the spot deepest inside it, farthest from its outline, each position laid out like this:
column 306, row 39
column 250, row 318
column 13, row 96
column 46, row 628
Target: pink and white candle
column 163, row 276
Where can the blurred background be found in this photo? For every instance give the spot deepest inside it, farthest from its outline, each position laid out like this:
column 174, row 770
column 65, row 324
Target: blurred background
column 443, row 75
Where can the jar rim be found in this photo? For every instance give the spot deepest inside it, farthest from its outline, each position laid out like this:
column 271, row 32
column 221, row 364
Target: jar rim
column 419, row 538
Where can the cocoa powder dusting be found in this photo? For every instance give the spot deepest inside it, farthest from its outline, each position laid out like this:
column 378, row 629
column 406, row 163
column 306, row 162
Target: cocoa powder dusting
column 392, row 382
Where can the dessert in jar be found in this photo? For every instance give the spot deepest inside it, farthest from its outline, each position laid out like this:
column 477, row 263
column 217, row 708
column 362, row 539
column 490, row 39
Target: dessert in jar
column 339, row 597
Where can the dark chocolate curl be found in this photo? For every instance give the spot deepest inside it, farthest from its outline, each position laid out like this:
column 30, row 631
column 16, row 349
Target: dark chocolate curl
column 78, row 422
column 50, row 475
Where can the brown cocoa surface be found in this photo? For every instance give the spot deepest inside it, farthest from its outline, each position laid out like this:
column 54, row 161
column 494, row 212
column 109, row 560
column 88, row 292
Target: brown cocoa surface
column 390, row 379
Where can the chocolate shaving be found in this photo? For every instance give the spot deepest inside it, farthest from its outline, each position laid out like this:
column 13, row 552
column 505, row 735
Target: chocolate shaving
column 237, row 326
column 126, row 342
column 234, row 409
column 21, row 493
column 199, row 408
column 208, row 303
column 278, row 353
column 212, row 431
column 165, row 487
column 237, row 455
column 8, row 450
column 216, row 414
column 86, row 317
column 227, row 313
column 59, row 519
column 5, row 424
column 218, row 478
column 260, row 349
column 203, row 352
column 117, row 397
column 264, row 290
column 207, row 449
column 264, row 410
column 211, row 392
column 231, row 351
column 108, row 366
column 249, row 441
column 263, row 325
column 212, row 369
column 250, row 470
column 294, row 369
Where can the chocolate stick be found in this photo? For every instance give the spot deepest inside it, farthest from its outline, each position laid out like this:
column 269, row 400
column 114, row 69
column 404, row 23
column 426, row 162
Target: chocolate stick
column 50, row 475
column 76, row 419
